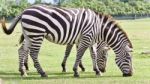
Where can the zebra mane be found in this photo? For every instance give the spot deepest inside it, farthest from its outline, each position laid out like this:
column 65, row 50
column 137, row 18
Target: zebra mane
column 118, row 26
column 130, row 44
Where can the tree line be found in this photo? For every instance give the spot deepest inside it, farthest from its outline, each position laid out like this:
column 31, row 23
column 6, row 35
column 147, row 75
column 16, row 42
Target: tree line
column 113, row 7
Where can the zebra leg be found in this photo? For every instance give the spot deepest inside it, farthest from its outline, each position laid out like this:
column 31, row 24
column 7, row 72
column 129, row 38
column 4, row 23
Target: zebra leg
column 80, row 52
column 101, row 60
column 67, row 52
column 26, row 62
column 34, row 56
column 102, row 54
column 34, row 51
column 22, row 54
column 93, row 52
column 80, row 64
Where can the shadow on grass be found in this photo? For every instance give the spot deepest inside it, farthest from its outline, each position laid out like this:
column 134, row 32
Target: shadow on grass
column 54, row 75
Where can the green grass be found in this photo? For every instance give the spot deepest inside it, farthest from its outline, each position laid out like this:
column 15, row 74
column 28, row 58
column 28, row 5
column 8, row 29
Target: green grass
column 51, row 56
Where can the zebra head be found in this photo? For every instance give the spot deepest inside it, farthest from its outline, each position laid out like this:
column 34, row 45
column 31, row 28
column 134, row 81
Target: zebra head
column 124, row 60
column 117, row 39
column 102, row 54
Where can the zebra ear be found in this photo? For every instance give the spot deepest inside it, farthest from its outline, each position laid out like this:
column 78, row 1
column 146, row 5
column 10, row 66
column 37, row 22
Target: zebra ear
column 128, row 49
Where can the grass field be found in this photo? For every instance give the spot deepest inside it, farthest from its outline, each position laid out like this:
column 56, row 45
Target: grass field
column 51, row 56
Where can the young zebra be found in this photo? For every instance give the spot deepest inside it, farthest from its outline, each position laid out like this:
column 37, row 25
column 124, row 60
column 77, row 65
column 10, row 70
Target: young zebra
column 71, row 26
column 102, row 53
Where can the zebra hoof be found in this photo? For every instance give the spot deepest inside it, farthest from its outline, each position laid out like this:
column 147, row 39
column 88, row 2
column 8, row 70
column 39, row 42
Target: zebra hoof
column 98, row 74
column 102, row 70
column 127, row 75
column 27, row 69
column 24, row 74
column 83, row 69
column 44, row 75
column 63, row 67
column 21, row 72
column 64, row 70
column 76, row 75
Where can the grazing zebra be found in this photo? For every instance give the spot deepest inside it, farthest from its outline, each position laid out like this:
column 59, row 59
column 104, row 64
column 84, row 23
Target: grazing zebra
column 102, row 54
column 83, row 27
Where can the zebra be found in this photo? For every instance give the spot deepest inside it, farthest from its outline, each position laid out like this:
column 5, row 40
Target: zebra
column 102, row 53
column 82, row 26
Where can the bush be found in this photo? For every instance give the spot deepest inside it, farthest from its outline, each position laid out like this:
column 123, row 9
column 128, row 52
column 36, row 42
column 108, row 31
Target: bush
column 11, row 9
column 128, row 7
column 111, row 7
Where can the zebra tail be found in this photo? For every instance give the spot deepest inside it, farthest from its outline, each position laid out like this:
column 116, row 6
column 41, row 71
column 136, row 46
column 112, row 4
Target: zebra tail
column 21, row 39
column 9, row 30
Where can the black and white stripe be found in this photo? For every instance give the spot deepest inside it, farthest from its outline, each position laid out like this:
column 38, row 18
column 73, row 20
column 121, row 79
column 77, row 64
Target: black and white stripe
column 83, row 27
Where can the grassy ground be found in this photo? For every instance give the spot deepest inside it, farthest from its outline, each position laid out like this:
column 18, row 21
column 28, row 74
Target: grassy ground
column 51, row 56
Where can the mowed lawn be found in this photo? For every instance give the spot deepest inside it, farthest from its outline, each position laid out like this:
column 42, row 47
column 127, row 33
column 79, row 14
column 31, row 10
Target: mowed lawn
column 51, row 56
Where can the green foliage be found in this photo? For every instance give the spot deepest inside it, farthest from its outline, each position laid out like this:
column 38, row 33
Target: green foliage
column 9, row 8
column 122, row 7
column 37, row 1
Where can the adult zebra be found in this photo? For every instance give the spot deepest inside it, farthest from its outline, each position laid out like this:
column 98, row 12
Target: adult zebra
column 71, row 26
